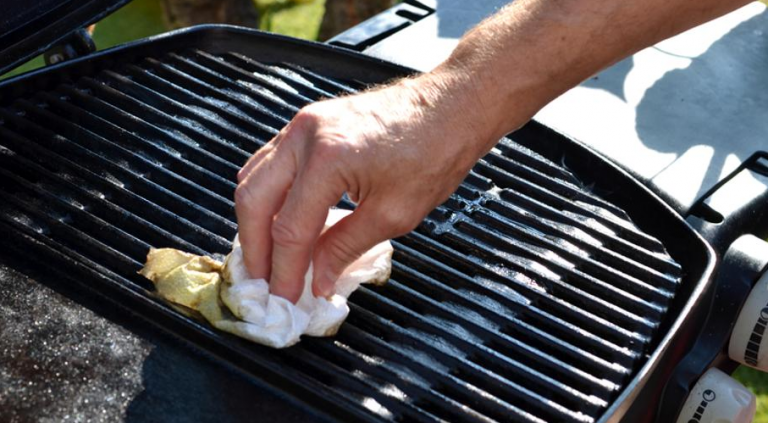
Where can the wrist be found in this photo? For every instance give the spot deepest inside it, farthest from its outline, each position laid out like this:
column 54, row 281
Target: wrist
column 450, row 99
column 493, row 103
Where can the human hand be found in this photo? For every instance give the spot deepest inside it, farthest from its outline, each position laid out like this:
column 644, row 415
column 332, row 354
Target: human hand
column 397, row 151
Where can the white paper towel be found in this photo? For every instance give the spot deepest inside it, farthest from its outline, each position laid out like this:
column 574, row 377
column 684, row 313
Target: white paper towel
column 256, row 314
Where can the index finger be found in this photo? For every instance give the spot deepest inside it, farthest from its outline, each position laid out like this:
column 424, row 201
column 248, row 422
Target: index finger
column 257, row 199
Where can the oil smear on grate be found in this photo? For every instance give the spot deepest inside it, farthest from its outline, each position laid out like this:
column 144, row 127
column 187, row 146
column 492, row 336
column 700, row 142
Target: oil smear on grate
column 523, row 297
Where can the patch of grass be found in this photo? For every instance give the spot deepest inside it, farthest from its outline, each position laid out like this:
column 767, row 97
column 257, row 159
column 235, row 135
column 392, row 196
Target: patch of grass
column 757, row 382
column 138, row 19
column 300, row 19
column 143, row 18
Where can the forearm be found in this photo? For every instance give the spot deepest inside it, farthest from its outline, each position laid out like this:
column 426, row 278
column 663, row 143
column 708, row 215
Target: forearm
column 516, row 62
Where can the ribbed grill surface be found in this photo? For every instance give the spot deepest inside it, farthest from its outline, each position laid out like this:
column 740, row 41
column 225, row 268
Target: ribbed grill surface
column 524, row 297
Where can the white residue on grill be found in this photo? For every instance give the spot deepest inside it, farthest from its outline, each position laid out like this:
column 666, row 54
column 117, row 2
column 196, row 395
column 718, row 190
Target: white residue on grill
column 524, row 262
column 65, row 197
column 248, row 99
column 456, row 328
column 82, row 184
column 4, row 150
column 168, row 149
column 199, row 127
column 474, row 316
column 387, row 389
column 543, row 270
column 607, row 215
column 492, row 304
column 374, row 361
column 421, row 357
column 495, row 192
column 502, row 250
column 376, row 408
column 575, row 232
column 437, row 341
column 24, row 220
column 360, row 374
column 180, row 136
column 554, row 257
column 591, row 222
column 508, row 292
column 132, row 169
column 393, row 391
column 571, row 247
column 264, row 91
column 547, row 236
column 528, row 281
column 274, row 81
column 507, row 273
column 292, row 75
column 70, row 178
column 124, row 164
column 113, row 179
column 406, row 374
column 544, row 253
column 202, row 111
column 229, row 107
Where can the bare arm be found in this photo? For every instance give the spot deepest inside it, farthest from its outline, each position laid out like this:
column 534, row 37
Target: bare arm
column 534, row 50
column 401, row 150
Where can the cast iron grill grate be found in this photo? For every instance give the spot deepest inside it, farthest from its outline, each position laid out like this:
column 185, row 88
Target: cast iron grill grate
column 523, row 297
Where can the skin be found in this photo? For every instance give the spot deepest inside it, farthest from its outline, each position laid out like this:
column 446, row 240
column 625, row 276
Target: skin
column 401, row 150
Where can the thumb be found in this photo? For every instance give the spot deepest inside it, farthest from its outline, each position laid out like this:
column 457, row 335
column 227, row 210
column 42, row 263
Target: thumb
column 342, row 244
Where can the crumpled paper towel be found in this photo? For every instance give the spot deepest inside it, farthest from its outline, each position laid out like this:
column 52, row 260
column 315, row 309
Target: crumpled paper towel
column 231, row 301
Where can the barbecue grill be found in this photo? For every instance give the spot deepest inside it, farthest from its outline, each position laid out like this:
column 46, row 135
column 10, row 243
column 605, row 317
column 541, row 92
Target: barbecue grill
column 551, row 286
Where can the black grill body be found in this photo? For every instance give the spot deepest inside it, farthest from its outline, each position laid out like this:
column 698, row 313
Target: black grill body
column 549, row 287
column 30, row 28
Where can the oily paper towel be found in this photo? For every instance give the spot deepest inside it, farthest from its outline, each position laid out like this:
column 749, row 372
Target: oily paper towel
column 231, row 301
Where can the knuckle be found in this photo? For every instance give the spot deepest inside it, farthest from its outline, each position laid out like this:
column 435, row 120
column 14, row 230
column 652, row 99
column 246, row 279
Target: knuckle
column 397, row 222
column 308, row 116
column 243, row 195
column 328, row 150
column 240, row 177
column 286, row 234
column 327, row 157
column 341, row 253
column 324, row 140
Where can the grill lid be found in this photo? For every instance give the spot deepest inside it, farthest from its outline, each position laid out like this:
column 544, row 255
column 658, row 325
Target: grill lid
column 30, row 27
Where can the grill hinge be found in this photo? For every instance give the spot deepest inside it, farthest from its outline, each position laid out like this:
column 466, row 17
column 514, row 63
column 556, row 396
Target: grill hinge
column 77, row 44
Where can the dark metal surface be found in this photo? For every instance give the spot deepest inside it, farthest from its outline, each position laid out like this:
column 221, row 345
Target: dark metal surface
column 381, row 26
column 61, row 361
column 638, row 402
column 526, row 296
column 736, row 206
column 30, row 27
column 77, row 44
